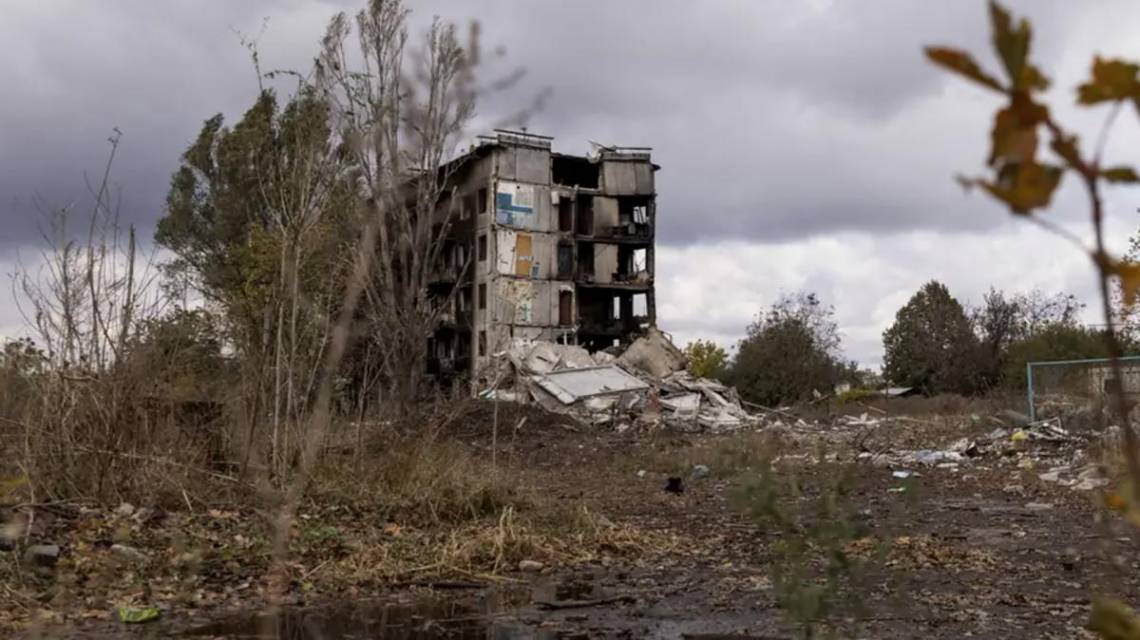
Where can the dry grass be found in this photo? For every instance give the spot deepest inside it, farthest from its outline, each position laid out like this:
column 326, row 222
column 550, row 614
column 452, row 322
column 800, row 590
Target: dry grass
column 725, row 456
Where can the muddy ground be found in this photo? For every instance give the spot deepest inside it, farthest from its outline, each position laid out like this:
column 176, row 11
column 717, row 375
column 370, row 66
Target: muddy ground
column 982, row 548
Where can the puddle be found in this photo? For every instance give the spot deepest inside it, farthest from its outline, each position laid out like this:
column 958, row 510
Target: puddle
column 482, row 618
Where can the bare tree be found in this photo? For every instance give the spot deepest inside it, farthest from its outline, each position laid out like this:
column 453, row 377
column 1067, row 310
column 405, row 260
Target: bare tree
column 401, row 115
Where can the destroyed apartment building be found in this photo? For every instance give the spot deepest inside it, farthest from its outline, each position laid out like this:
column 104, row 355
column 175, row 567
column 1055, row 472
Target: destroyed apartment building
column 546, row 277
column 542, row 246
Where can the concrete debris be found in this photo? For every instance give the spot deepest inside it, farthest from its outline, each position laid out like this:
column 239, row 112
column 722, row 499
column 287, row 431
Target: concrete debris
column 931, row 457
column 654, row 354
column 128, row 553
column 42, row 555
column 646, row 386
column 530, row 566
column 699, row 471
column 571, row 385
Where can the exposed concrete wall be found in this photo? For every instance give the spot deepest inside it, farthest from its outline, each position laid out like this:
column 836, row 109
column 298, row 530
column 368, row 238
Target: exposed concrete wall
column 605, row 215
column 524, row 206
column 626, row 178
column 605, row 262
column 525, row 254
column 523, row 164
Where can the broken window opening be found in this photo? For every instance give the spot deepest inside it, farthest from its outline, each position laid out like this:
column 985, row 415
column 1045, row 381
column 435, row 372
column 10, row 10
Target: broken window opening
column 481, row 202
column 633, row 215
column 565, row 308
column 565, row 214
column 482, row 247
column 586, row 261
column 640, row 305
column 464, row 299
column 616, row 310
column 640, row 260
column 575, row 171
column 482, row 343
column 585, row 215
column 468, row 206
column 482, row 295
column 565, row 261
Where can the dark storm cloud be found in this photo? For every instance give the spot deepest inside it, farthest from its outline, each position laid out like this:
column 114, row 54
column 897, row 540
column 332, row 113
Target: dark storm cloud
column 773, row 120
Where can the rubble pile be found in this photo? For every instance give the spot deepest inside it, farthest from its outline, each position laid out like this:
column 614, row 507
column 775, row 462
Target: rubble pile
column 645, row 386
column 1056, row 454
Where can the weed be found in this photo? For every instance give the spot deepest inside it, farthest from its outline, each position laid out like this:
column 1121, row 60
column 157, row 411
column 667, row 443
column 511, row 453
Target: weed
column 824, row 552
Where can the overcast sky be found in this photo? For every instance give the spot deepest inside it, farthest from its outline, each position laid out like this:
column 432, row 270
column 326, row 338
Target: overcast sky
column 804, row 144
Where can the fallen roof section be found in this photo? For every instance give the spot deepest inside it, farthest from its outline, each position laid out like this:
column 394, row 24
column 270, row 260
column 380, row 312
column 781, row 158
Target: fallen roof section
column 572, row 385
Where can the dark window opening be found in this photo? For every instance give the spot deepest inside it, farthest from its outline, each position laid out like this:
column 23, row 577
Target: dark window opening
column 575, row 171
column 565, row 308
column 633, row 215
column 586, row 215
column 565, row 213
column 586, row 260
column 468, row 207
column 482, row 343
column 481, row 204
column 482, row 295
column 482, row 247
column 565, row 261
column 464, row 299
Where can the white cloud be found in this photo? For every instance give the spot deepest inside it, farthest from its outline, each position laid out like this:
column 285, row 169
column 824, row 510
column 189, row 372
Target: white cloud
column 714, row 291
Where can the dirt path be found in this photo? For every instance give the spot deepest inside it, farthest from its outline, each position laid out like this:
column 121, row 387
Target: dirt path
column 983, row 549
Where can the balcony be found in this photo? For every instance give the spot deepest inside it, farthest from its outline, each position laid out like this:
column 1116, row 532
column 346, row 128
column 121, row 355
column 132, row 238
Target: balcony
column 444, row 274
column 454, row 320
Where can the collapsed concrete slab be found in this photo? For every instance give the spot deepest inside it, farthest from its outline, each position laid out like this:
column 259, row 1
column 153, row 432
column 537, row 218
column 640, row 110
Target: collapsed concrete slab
column 654, row 354
column 646, row 385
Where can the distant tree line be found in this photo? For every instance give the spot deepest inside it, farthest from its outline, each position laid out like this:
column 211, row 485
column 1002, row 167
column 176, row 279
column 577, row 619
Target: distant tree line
column 792, row 351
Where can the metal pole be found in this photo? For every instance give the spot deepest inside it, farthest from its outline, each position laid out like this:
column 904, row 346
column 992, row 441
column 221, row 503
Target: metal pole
column 1029, row 394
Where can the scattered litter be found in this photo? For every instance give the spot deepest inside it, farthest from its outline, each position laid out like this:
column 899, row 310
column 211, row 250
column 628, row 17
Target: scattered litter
column 42, row 555
column 699, row 471
column 902, row 474
column 1038, row 506
column 1019, row 436
column 1088, row 484
column 531, row 566
column 641, row 473
column 128, row 553
column 896, row 490
column 932, row 457
column 137, row 615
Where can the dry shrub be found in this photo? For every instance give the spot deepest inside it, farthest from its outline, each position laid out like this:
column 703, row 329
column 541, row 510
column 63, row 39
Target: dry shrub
column 422, row 479
column 98, row 438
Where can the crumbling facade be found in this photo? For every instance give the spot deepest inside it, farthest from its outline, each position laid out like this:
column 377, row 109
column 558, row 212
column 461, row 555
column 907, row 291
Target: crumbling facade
column 543, row 245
